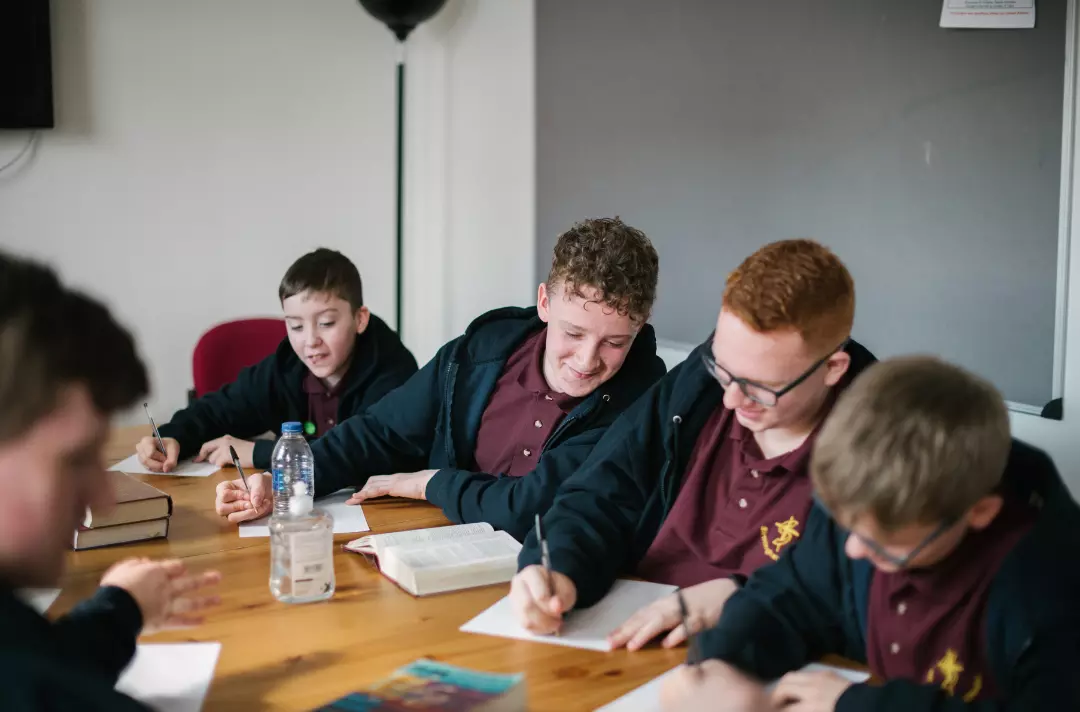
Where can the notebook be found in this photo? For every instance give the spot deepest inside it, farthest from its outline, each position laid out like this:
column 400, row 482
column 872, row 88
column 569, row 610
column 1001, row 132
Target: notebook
column 647, row 697
column 426, row 685
column 136, row 501
column 120, row 534
column 170, row 677
column 348, row 518
column 427, row 561
column 587, row 628
column 184, row 468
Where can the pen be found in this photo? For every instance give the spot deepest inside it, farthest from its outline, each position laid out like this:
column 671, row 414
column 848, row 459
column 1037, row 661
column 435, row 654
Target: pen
column 236, row 464
column 157, row 434
column 691, row 638
column 545, row 557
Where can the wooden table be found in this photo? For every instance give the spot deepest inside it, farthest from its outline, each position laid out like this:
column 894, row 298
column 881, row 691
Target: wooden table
column 276, row 656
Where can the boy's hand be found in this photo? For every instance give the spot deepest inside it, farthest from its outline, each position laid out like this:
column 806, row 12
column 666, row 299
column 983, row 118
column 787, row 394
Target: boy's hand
column 816, row 691
column 216, row 451
column 151, row 458
column 231, row 499
column 704, row 603
column 534, row 607
column 712, row 686
column 404, row 484
column 167, row 594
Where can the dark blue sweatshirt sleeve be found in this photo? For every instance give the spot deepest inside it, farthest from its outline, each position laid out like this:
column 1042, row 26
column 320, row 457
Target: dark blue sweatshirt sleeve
column 590, row 527
column 394, row 435
column 102, row 631
column 509, row 503
column 790, row 612
column 244, row 408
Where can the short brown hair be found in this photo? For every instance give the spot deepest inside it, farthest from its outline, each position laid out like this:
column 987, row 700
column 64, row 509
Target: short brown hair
column 794, row 284
column 913, row 440
column 51, row 338
column 617, row 260
column 327, row 271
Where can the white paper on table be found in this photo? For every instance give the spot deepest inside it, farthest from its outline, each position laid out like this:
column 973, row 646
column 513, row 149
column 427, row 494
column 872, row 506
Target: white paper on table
column 347, row 518
column 40, row 599
column 170, row 677
column 184, row 468
column 988, row 14
column 588, row 628
column 647, row 697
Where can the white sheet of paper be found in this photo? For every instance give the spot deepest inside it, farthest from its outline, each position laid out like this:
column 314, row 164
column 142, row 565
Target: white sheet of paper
column 347, row 518
column 39, row 598
column 647, row 697
column 587, row 629
column 170, row 677
column 184, row 468
column 988, row 14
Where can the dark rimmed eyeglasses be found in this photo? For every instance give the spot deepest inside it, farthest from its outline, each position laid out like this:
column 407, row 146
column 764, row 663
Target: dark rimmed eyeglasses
column 900, row 562
column 762, row 395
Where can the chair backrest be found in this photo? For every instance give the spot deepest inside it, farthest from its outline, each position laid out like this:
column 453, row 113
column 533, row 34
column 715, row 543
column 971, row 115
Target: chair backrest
column 226, row 349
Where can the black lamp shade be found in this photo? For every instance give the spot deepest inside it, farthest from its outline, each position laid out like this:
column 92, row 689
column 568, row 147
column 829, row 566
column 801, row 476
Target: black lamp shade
column 402, row 16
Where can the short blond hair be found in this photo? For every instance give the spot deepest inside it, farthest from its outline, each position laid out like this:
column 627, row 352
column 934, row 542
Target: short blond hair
column 795, row 285
column 912, row 441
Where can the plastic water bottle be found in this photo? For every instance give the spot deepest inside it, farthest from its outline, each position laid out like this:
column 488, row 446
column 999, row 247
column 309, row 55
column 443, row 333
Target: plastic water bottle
column 301, row 551
column 291, row 462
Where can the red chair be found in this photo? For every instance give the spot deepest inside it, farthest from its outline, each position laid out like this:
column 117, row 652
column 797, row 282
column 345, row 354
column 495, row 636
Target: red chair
column 226, row 349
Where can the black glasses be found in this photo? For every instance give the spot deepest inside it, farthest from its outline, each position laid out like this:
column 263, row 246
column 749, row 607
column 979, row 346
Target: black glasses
column 762, row 395
column 900, row 562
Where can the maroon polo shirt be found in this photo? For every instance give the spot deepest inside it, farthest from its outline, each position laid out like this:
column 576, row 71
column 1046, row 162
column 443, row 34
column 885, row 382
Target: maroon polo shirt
column 929, row 625
column 736, row 510
column 322, row 403
column 522, row 413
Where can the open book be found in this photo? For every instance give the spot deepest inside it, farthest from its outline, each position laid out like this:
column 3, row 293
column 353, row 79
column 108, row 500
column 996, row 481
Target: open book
column 426, row 561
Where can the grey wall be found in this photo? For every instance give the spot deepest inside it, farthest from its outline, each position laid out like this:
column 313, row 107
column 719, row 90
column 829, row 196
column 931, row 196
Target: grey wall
column 928, row 159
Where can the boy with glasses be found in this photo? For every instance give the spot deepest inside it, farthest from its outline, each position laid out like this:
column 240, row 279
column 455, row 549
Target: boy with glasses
column 704, row 479
column 944, row 566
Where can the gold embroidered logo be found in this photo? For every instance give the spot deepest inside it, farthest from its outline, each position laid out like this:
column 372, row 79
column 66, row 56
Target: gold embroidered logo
column 788, row 531
column 951, row 668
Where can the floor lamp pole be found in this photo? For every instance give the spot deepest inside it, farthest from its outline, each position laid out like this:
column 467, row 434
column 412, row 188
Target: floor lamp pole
column 400, row 243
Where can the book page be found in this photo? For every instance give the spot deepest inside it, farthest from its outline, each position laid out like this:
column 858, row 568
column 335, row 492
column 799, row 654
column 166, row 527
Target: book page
column 170, row 677
column 379, row 543
column 446, row 554
column 184, row 468
column 647, row 697
column 348, row 518
column 588, row 628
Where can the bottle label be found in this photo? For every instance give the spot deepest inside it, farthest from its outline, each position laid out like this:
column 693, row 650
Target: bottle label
column 312, row 563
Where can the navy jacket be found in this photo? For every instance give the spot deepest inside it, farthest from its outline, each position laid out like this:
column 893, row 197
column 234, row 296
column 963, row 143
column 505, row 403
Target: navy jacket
column 272, row 392
column 608, row 513
column 432, row 421
column 814, row 601
column 71, row 664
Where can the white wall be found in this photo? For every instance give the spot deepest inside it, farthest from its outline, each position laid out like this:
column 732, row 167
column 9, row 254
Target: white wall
column 201, row 146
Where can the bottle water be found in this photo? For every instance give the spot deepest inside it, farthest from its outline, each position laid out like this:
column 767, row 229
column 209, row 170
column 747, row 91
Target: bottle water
column 301, row 551
column 291, row 462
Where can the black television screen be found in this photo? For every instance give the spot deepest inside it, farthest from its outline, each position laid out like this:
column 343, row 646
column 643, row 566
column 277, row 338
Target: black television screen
column 26, row 99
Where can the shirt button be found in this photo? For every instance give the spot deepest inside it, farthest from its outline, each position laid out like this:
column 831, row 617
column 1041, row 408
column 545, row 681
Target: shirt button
column 526, row 452
column 742, row 504
column 894, row 648
column 755, row 474
column 538, row 424
column 547, row 398
column 901, row 609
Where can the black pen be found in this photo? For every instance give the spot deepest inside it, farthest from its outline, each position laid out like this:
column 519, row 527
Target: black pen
column 692, row 657
column 236, row 464
column 545, row 557
column 157, row 434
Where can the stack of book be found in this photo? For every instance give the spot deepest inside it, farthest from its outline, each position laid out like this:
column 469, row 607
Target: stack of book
column 141, row 512
column 426, row 685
